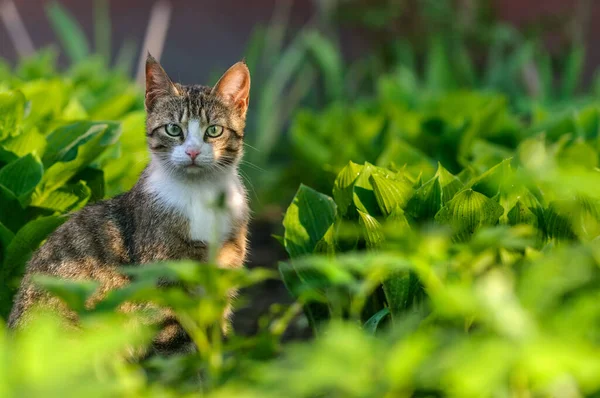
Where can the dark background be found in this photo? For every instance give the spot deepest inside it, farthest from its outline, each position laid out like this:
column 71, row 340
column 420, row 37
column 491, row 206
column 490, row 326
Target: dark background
column 208, row 36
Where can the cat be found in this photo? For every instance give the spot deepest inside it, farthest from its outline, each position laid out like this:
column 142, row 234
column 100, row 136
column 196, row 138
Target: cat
column 188, row 196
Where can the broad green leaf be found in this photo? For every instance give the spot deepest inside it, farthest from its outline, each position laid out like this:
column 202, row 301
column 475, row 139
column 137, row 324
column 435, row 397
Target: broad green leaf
column 400, row 290
column 363, row 196
column 66, row 162
column 494, row 180
column 372, row 324
column 74, row 293
column 307, row 220
column 94, row 179
column 344, row 185
column 397, row 219
column 12, row 214
column 12, row 111
column 521, row 214
column 372, row 230
column 68, row 198
column 426, row 201
column 6, row 236
column 29, row 142
column 25, row 242
column 390, row 192
column 22, row 176
column 578, row 153
column 468, row 211
column 449, row 183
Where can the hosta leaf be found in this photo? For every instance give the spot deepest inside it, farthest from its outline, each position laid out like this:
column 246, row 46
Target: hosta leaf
column 94, row 179
column 579, row 153
column 390, row 192
column 426, row 201
column 12, row 109
column 68, row 198
column 307, row 220
column 77, row 154
column 64, row 142
column 397, row 218
column 372, row 230
column 363, row 196
column 520, row 214
column 6, row 236
column 25, row 242
column 556, row 221
column 468, row 211
column 400, row 290
column 344, row 184
column 372, row 324
column 494, row 180
column 449, row 183
column 12, row 214
column 22, row 176
column 29, row 142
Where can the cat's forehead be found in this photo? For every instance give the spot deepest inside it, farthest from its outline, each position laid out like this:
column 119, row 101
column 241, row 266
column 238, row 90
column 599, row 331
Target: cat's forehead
column 191, row 102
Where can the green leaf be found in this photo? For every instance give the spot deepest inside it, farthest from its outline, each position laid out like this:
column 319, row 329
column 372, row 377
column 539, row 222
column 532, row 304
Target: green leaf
column 372, row 230
column 363, row 196
column 468, row 211
column 69, row 32
column 22, row 176
column 521, row 214
column 449, row 183
column 344, row 185
column 12, row 111
column 12, row 215
column 400, row 290
column 494, row 180
column 372, row 323
column 390, row 193
column 6, row 236
column 75, row 154
column 307, row 220
column 29, row 142
column 25, row 242
column 426, row 201
column 74, row 293
column 68, row 198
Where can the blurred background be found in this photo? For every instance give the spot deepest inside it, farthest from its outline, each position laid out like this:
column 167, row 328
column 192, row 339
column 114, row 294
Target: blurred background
column 204, row 37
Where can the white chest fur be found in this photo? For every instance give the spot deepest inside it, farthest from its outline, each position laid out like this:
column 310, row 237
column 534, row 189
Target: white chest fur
column 210, row 217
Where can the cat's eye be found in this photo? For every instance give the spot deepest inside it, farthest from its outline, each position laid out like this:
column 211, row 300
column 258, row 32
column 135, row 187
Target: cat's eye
column 173, row 130
column 214, row 131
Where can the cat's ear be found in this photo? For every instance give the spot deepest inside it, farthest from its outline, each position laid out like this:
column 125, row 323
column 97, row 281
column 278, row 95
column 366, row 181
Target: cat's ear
column 158, row 83
column 234, row 87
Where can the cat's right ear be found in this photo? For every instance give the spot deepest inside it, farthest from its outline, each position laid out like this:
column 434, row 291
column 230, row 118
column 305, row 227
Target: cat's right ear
column 158, row 83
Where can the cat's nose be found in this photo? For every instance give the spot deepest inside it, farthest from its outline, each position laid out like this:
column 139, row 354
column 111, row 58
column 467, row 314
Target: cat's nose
column 192, row 153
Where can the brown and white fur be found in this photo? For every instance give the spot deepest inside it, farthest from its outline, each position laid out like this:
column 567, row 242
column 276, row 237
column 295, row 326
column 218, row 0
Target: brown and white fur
column 189, row 197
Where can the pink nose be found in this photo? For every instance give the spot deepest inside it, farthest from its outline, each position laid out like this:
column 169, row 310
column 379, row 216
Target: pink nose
column 192, row 153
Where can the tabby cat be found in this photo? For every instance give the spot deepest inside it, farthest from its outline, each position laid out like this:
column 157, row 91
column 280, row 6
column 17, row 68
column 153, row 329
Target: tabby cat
column 189, row 195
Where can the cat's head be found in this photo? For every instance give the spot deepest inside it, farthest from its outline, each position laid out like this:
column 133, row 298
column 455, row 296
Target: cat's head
column 196, row 130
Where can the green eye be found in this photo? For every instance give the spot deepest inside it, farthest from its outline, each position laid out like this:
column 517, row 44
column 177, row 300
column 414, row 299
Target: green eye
column 173, row 130
column 214, row 131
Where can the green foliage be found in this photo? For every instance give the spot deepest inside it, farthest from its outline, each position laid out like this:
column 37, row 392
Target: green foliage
column 456, row 256
column 59, row 135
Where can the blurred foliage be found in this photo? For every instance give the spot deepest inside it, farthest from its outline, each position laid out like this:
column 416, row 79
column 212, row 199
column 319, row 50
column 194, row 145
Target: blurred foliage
column 444, row 241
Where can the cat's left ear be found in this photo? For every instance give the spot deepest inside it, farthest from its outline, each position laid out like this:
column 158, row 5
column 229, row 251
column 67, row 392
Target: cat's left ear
column 158, row 83
column 234, row 87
